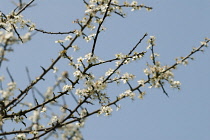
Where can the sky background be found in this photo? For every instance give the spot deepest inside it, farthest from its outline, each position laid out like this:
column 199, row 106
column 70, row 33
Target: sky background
column 178, row 26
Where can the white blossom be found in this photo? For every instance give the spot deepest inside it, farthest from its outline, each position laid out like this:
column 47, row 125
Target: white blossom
column 67, row 87
column 78, row 74
column 55, row 69
column 110, row 71
column 141, row 82
column 69, row 37
column 59, row 41
column 21, row 136
column 107, row 110
column 54, row 120
column 35, row 116
column 126, row 77
column 75, row 47
column 204, row 43
column 18, row 119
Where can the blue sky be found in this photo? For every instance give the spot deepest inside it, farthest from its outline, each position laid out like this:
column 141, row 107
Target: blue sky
column 177, row 25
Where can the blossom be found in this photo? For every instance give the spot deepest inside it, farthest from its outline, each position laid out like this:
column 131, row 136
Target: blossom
column 32, row 27
column 11, row 85
column 67, row 87
column 175, row 84
column 75, row 47
column 141, row 82
column 77, row 73
column 83, row 113
column 55, row 69
column 69, row 37
column 54, row 120
column 110, row 71
column 77, row 32
column 107, row 110
column 35, row 116
column 80, row 59
column 44, row 109
column 134, row 3
column 1, row 78
column 99, row 85
column 21, row 136
column 90, row 58
column 59, row 41
column 151, row 41
column 204, row 43
column 141, row 95
column 18, row 119
column 120, row 56
column 126, row 77
column 87, row 38
column 127, row 93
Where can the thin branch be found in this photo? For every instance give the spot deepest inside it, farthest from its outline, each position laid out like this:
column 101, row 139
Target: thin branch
column 27, row 5
column 99, row 27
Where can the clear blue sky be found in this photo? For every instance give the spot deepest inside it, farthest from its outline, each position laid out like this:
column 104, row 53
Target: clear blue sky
column 177, row 25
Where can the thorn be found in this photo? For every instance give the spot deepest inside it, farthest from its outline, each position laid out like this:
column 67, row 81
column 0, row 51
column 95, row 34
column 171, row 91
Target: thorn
column 36, row 102
column 43, row 68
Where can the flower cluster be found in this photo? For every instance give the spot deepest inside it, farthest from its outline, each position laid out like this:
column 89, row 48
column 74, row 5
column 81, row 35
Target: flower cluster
column 107, row 110
column 158, row 73
column 18, row 119
column 88, row 80
column 127, row 93
column 7, row 93
column 127, row 76
column 54, row 120
column 21, row 136
column 71, row 130
column 151, row 41
column 67, row 87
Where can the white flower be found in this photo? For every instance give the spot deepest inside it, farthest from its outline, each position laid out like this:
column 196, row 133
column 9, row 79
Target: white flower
column 75, row 47
column 69, row 37
column 141, row 95
column 204, row 43
column 106, row 109
column 99, row 85
column 18, row 119
column 21, row 137
column 120, row 56
column 11, row 85
column 83, row 113
column 1, row 78
column 54, row 120
column 126, row 77
column 146, row 71
column 78, row 33
column 32, row 27
column 87, row 38
column 59, row 41
column 151, row 41
column 134, row 3
column 129, row 93
column 49, row 92
column 55, row 69
column 175, row 84
column 35, row 116
column 110, row 71
column 67, row 87
column 80, row 59
column 77, row 74
column 90, row 58
column 44, row 109
column 141, row 82
column 118, row 107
